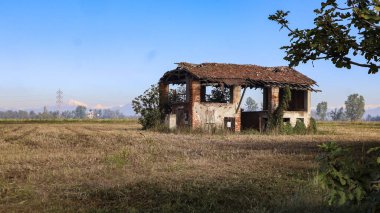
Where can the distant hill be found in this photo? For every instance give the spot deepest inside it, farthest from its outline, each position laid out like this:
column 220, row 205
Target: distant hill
column 51, row 108
column 372, row 111
column 126, row 109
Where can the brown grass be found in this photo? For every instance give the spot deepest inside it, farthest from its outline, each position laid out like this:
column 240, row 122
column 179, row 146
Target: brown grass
column 117, row 167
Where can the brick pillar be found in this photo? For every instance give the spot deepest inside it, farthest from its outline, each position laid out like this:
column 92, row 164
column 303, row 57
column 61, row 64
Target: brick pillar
column 236, row 90
column 273, row 98
column 236, row 94
column 195, row 97
column 238, row 122
column 163, row 90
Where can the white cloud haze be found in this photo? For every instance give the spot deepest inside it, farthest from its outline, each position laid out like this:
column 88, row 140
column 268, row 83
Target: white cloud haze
column 73, row 102
column 100, row 106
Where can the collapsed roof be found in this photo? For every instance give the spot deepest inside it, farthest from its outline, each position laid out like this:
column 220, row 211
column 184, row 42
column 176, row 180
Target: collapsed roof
column 243, row 75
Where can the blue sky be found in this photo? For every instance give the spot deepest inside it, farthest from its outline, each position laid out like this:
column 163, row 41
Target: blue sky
column 107, row 52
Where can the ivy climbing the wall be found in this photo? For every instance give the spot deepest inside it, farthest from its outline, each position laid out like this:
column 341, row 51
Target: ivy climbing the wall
column 275, row 119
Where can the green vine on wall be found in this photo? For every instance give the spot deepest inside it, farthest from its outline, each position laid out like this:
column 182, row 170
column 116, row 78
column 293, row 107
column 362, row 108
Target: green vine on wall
column 275, row 118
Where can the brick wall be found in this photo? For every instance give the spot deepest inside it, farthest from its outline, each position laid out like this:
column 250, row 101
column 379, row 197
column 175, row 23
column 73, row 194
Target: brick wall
column 195, row 97
column 238, row 122
column 273, row 98
column 236, row 99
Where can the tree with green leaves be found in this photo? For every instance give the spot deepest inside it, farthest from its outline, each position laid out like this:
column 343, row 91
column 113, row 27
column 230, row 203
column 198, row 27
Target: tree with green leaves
column 178, row 94
column 45, row 113
column 350, row 178
column 251, row 104
column 322, row 110
column 220, row 94
column 337, row 114
column 147, row 106
column 347, row 33
column 355, row 107
column 80, row 112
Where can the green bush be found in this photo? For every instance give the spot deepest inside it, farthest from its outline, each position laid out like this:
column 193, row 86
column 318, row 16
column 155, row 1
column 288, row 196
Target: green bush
column 150, row 118
column 299, row 128
column 312, row 129
column 147, row 105
column 287, row 129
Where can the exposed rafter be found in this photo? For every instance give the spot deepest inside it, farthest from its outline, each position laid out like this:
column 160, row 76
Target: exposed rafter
column 243, row 75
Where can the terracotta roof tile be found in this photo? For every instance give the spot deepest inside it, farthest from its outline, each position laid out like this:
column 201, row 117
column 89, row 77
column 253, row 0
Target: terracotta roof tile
column 236, row 72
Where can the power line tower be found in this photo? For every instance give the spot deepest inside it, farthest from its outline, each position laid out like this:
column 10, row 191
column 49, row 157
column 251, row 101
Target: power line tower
column 59, row 101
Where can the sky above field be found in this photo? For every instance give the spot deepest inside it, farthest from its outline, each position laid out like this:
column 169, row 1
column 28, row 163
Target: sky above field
column 105, row 52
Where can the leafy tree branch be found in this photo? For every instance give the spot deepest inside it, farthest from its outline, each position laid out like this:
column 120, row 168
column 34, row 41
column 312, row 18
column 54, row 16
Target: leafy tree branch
column 347, row 36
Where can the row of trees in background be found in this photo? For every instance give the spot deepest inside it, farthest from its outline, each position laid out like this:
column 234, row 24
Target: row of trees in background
column 373, row 118
column 354, row 109
column 251, row 105
column 80, row 112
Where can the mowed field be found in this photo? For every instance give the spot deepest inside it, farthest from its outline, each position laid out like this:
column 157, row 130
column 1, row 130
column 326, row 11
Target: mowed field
column 116, row 167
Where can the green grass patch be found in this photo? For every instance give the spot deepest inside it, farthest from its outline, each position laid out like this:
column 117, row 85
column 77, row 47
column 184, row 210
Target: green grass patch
column 119, row 159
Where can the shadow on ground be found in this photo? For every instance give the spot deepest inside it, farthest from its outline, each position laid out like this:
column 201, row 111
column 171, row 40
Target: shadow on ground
column 197, row 197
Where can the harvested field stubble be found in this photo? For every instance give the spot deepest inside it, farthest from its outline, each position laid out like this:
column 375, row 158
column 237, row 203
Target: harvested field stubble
column 117, row 167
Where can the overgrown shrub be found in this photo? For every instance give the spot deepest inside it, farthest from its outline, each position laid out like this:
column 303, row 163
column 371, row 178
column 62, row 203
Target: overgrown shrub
column 312, row 129
column 350, row 179
column 150, row 118
column 275, row 119
column 287, row 129
column 299, row 128
column 147, row 106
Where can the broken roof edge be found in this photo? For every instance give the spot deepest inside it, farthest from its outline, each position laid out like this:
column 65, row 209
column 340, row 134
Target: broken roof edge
column 225, row 73
column 188, row 66
column 233, row 64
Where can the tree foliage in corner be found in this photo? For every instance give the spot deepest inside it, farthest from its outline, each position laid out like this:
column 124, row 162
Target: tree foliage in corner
column 350, row 179
column 147, row 105
column 347, row 34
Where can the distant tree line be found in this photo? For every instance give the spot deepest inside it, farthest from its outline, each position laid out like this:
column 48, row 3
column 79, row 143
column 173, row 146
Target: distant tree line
column 353, row 110
column 80, row 112
column 373, row 118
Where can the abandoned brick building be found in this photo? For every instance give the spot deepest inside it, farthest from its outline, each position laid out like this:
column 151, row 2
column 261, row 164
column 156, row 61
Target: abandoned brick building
column 211, row 95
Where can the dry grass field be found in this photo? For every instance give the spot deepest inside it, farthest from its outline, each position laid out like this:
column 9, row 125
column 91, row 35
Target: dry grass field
column 115, row 167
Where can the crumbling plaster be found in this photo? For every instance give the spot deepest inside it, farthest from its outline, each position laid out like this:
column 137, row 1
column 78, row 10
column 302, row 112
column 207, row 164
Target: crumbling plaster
column 213, row 114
